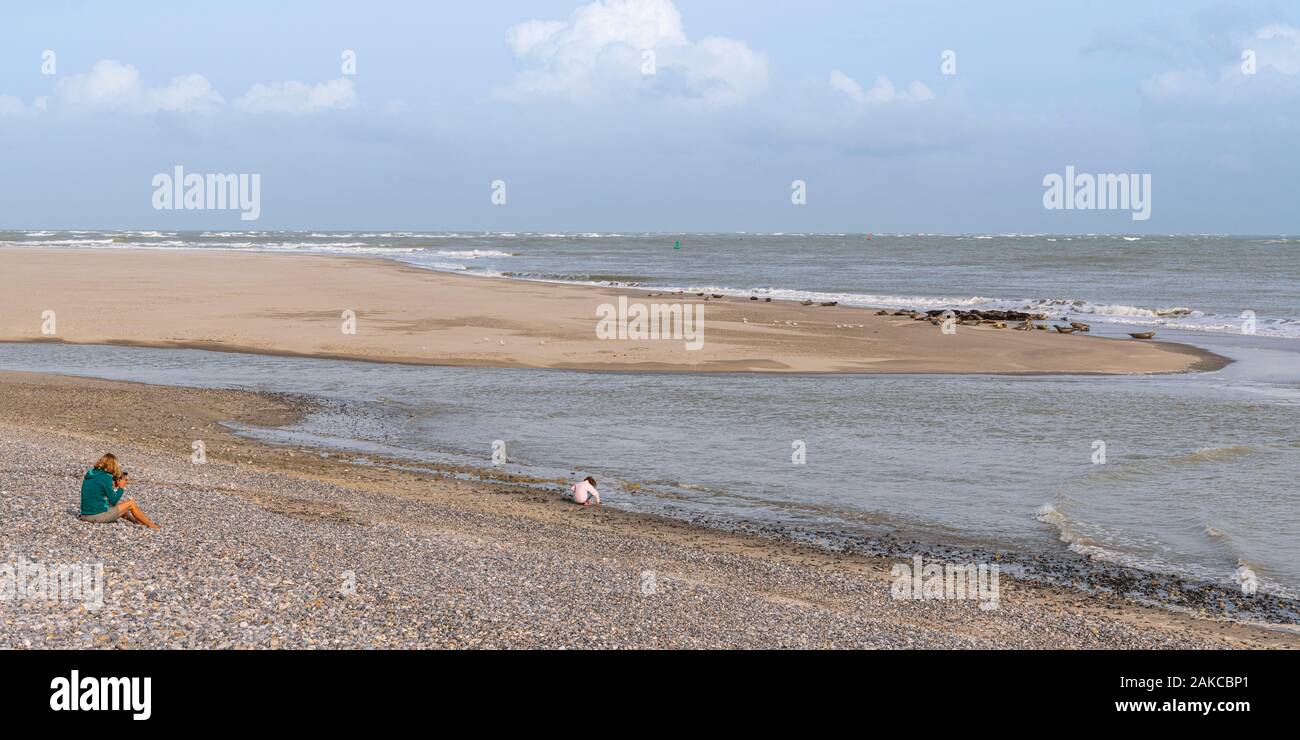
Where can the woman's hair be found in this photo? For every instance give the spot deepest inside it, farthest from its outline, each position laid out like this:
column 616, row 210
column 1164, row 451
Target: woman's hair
column 591, row 480
column 108, row 463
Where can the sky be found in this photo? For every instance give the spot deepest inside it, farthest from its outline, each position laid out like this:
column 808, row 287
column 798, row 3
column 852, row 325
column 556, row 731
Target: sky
column 652, row 115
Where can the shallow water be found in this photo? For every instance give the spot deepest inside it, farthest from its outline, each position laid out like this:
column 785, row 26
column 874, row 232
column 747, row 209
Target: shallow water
column 1199, row 475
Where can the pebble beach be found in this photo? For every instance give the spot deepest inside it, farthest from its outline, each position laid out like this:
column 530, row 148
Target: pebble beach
column 276, row 548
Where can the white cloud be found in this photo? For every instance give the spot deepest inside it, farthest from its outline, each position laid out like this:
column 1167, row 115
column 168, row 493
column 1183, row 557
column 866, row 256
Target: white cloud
column 188, row 94
column 1278, row 46
column 113, row 85
column 299, row 98
column 532, row 37
column 11, row 106
column 1277, row 72
column 599, row 51
column 881, row 92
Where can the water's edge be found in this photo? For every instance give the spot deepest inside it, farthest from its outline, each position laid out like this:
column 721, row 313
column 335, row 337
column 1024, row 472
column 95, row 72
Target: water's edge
column 1063, row 568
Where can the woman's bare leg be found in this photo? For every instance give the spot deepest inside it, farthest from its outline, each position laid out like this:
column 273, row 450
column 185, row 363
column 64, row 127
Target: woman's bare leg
column 131, row 512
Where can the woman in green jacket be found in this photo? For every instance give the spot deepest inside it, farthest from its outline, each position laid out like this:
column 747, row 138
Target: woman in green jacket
column 101, row 495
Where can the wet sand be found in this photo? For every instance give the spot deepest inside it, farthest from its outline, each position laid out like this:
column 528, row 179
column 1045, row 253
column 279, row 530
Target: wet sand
column 295, row 305
column 259, row 544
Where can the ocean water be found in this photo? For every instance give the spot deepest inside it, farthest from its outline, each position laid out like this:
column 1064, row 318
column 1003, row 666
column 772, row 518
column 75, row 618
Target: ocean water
column 1200, row 471
column 1199, row 283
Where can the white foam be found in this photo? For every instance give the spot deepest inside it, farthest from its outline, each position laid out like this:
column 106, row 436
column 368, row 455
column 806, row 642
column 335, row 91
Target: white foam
column 1176, row 317
column 473, row 253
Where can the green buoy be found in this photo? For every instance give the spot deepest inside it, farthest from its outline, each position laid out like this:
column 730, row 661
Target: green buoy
column 677, row 244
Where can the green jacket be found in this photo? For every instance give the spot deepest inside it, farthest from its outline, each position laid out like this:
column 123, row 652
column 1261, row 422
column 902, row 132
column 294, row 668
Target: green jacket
column 97, row 492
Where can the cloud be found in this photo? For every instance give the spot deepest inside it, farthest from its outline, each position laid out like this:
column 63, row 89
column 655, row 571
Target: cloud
column 602, row 50
column 189, row 94
column 299, row 98
column 881, row 92
column 113, row 85
column 1278, row 47
column 1276, row 74
column 11, row 105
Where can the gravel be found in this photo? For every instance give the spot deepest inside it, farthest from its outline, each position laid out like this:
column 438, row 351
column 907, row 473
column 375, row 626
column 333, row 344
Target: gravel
column 253, row 559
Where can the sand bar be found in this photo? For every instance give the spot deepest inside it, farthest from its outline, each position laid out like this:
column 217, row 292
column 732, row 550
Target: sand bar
column 295, row 305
